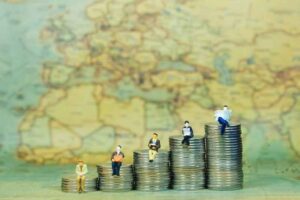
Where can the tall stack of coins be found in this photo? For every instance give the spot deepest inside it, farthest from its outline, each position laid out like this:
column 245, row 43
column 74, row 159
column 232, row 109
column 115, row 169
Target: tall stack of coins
column 187, row 163
column 224, row 157
column 151, row 176
column 69, row 184
column 110, row 183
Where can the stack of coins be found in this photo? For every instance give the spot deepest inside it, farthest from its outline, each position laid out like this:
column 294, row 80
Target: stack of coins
column 69, row 184
column 109, row 183
column 151, row 176
column 224, row 157
column 187, row 163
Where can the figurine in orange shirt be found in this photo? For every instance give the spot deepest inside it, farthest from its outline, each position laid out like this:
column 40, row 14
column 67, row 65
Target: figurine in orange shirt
column 117, row 159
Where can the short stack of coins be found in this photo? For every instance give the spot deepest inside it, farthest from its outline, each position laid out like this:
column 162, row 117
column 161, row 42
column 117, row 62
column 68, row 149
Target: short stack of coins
column 224, row 157
column 151, row 176
column 70, row 184
column 110, row 183
column 187, row 163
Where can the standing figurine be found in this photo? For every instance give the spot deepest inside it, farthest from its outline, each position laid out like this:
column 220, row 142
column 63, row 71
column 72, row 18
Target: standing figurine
column 223, row 117
column 187, row 133
column 117, row 159
column 81, row 171
column 154, row 145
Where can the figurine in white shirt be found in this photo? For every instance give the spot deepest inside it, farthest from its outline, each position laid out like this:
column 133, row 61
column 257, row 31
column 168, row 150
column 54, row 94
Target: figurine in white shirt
column 223, row 117
column 187, row 133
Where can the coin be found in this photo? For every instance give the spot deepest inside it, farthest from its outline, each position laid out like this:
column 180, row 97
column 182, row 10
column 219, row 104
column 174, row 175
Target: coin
column 187, row 163
column 69, row 184
column 151, row 176
column 224, row 157
column 109, row 183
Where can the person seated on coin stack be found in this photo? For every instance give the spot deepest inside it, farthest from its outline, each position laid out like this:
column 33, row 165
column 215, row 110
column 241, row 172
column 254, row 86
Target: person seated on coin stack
column 117, row 159
column 187, row 133
column 154, row 145
column 81, row 171
column 223, row 117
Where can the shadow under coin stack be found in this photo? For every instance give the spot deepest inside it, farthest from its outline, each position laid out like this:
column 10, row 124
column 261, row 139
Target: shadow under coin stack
column 224, row 157
column 109, row 183
column 187, row 163
column 69, row 184
column 151, row 176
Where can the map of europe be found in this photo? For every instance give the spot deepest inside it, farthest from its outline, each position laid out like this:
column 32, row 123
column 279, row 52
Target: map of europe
column 124, row 69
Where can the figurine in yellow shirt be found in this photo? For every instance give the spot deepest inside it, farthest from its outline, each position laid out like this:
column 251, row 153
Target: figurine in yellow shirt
column 81, row 171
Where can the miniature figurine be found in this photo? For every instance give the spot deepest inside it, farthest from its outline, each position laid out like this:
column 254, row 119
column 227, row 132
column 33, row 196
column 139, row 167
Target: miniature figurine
column 223, row 117
column 81, row 171
column 154, row 145
column 117, row 159
column 187, row 133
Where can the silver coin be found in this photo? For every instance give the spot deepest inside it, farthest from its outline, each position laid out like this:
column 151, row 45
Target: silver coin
column 109, row 183
column 224, row 157
column 187, row 163
column 151, row 176
column 69, row 184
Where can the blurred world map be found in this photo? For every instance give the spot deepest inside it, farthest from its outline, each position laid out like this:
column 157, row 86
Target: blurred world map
column 80, row 77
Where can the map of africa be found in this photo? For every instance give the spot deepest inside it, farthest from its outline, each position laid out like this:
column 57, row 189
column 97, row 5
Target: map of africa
column 114, row 71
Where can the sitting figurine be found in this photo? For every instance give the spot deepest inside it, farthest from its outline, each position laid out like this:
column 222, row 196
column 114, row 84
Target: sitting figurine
column 154, row 145
column 81, row 171
column 117, row 159
column 187, row 133
column 223, row 117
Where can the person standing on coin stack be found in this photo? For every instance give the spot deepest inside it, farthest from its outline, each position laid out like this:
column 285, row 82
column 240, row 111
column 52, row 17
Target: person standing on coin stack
column 117, row 159
column 187, row 133
column 154, row 145
column 81, row 171
column 223, row 117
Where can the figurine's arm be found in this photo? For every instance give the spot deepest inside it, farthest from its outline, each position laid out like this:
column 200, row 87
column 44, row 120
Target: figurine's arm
column 112, row 156
column 85, row 170
column 158, row 144
column 77, row 171
column 218, row 113
column 230, row 113
column 149, row 143
column 192, row 132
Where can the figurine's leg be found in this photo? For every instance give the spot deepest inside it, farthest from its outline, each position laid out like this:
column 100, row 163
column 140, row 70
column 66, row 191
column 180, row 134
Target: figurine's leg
column 113, row 166
column 154, row 154
column 223, row 123
column 227, row 123
column 223, row 129
column 83, row 183
column 188, row 140
column 78, row 184
column 151, row 155
column 183, row 140
column 119, row 164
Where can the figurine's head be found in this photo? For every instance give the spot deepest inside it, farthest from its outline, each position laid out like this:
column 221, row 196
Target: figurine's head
column 80, row 162
column 225, row 107
column 118, row 149
column 186, row 123
column 154, row 135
